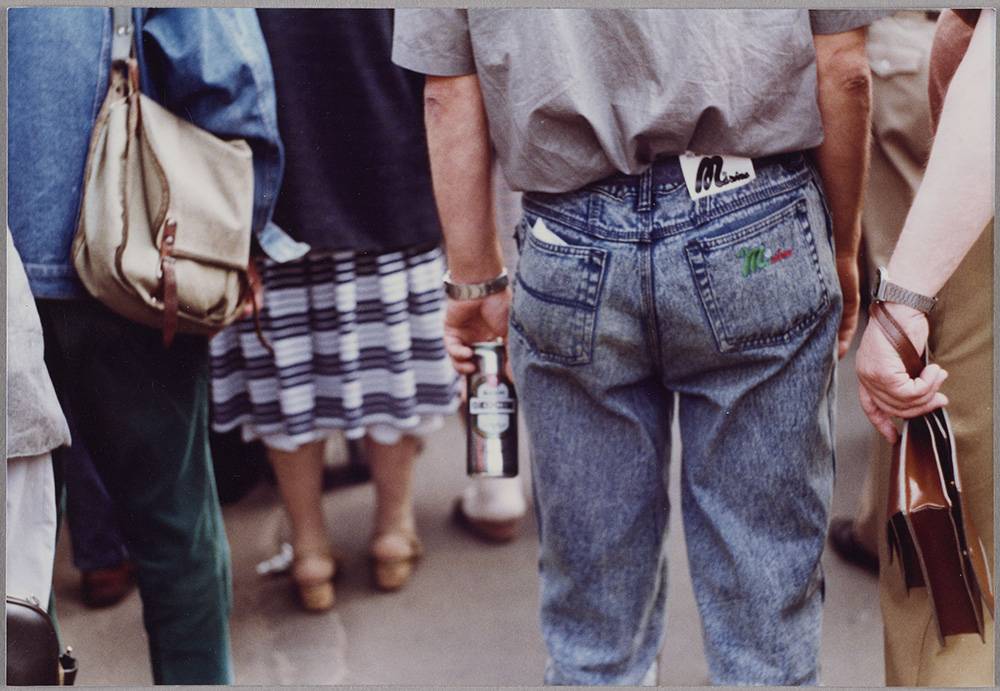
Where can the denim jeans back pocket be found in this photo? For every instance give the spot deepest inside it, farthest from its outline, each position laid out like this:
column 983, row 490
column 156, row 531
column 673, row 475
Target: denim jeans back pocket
column 761, row 283
column 556, row 293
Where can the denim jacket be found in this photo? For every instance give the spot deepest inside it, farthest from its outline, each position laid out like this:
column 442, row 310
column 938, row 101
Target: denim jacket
column 208, row 65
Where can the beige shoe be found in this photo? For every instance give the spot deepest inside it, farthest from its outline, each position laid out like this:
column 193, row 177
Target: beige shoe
column 312, row 573
column 393, row 556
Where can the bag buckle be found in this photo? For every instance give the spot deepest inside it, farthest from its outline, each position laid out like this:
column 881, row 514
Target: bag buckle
column 67, row 667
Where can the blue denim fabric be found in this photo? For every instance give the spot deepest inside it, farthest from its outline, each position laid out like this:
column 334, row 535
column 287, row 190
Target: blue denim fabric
column 655, row 294
column 209, row 65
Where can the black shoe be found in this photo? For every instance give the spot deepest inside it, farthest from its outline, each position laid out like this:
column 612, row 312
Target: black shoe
column 847, row 547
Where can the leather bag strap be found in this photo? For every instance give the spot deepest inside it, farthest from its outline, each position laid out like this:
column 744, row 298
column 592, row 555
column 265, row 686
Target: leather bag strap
column 122, row 46
column 257, row 327
column 247, row 293
column 912, row 361
column 168, row 282
column 121, row 36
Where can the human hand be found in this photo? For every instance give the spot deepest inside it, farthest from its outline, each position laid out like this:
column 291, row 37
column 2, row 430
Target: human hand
column 255, row 297
column 471, row 321
column 885, row 388
column 847, row 272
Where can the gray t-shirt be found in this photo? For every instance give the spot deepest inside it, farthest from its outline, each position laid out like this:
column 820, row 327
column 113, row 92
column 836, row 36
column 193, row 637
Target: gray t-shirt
column 575, row 95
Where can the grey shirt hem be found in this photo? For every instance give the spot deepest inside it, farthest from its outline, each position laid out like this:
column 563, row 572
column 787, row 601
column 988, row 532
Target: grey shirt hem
column 433, row 64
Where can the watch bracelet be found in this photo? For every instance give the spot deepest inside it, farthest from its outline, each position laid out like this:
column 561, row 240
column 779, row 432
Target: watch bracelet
column 475, row 291
column 899, row 295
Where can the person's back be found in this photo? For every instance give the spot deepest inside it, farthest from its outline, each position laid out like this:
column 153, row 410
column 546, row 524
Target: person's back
column 645, row 273
column 141, row 407
column 57, row 77
column 355, row 324
column 577, row 95
column 353, row 128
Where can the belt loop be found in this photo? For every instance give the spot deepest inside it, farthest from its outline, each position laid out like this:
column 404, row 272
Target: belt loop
column 644, row 200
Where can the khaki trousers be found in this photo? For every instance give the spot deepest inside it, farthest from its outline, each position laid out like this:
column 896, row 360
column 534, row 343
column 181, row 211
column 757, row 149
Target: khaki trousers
column 898, row 51
column 961, row 341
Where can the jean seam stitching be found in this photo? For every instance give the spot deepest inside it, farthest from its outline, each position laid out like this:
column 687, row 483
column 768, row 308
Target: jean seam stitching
column 707, row 300
column 796, row 209
column 731, row 238
column 674, row 227
column 544, row 297
column 563, row 250
column 649, row 317
column 798, row 179
column 542, row 209
column 587, row 312
column 581, row 359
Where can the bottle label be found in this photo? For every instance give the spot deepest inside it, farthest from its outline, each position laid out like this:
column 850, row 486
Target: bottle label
column 492, row 409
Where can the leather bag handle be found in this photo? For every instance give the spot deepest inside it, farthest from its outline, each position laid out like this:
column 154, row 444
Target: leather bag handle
column 121, row 37
column 912, row 361
column 123, row 46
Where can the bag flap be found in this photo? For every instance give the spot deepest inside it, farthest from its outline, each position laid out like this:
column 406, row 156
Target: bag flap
column 209, row 183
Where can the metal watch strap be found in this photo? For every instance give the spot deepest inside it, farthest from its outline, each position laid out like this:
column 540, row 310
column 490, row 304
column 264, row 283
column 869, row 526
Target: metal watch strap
column 886, row 291
column 475, row 291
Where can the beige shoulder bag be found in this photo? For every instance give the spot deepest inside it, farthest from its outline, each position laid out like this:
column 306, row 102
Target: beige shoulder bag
column 164, row 231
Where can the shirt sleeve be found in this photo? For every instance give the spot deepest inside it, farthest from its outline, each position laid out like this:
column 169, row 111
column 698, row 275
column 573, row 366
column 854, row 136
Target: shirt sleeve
column 838, row 21
column 212, row 66
column 433, row 41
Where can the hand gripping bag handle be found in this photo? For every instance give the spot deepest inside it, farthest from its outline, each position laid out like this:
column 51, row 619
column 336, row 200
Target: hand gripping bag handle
column 937, row 543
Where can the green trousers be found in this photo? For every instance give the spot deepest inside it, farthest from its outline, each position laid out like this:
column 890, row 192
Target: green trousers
column 142, row 412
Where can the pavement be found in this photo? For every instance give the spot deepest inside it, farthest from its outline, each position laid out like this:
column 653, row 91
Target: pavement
column 469, row 615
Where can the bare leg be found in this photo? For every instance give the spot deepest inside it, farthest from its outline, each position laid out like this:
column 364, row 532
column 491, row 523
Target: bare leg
column 395, row 546
column 299, row 475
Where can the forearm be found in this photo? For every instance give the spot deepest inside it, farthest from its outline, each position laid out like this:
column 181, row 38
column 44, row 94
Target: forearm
column 955, row 199
column 844, row 95
column 460, row 155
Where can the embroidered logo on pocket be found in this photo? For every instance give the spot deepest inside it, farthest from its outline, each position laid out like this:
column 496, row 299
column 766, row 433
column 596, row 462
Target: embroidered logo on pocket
column 759, row 258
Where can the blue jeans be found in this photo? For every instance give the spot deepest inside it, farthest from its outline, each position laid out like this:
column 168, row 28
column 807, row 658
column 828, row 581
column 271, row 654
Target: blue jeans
column 733, row 302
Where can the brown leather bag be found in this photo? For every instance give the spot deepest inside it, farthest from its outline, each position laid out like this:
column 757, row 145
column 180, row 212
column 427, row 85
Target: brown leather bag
column 929, row 531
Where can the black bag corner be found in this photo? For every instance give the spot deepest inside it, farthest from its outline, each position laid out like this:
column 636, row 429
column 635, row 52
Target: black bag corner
column 33, row 657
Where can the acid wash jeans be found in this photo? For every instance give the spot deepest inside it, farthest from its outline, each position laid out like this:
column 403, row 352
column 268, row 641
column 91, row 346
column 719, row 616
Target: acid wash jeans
column 733, row 302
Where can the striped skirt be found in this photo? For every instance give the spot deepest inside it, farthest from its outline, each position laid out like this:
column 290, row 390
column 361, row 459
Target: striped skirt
column 358, row 347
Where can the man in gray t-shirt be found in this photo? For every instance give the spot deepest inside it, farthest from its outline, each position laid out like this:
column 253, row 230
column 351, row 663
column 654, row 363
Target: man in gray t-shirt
column 576, row 95
column 727, row 276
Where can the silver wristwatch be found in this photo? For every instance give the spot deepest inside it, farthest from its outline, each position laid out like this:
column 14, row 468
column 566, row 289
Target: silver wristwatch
column 474, row 291
column 885, row 291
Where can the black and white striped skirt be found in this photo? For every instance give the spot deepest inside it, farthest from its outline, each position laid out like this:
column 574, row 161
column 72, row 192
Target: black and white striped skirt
column 358, row 347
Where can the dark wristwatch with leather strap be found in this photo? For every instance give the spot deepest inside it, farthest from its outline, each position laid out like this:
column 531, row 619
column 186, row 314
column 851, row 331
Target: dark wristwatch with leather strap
column 886, row 291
